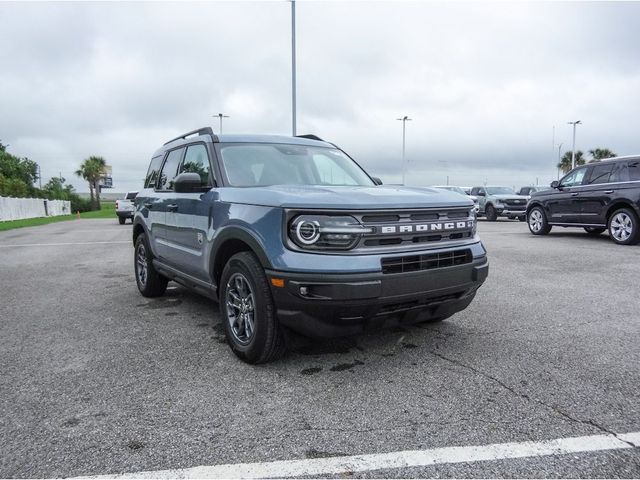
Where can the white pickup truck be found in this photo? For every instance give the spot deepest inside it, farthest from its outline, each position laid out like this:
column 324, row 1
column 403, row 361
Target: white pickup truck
column 125, row 207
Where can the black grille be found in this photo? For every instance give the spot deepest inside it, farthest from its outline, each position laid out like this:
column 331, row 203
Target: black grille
column 516, row 203
column 416, row 263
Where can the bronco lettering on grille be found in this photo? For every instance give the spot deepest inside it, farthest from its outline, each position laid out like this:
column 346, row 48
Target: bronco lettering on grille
column 427, row 227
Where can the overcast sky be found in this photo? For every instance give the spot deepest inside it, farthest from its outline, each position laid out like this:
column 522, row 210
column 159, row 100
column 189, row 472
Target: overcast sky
column 483, row 82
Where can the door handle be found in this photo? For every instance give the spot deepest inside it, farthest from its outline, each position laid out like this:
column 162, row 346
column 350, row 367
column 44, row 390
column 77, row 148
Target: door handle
column 575, row 194
column 608, row 191
column 172, row 208
column 148, row 205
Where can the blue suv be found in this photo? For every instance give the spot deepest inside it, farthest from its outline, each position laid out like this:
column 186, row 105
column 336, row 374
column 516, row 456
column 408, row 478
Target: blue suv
column 291, row 233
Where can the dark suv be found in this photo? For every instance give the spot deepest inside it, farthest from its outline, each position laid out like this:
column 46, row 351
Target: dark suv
column 291, row 232
column 597, row 197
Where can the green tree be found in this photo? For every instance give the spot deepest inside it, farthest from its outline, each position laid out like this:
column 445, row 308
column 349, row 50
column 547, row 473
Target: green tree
column 19, row 175
column 565, row 161
column 598, row 154
column 92, row 169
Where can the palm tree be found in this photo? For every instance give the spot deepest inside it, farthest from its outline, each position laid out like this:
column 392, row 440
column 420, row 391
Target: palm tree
column 600, row 154
column 92, row 169
column 565, row 161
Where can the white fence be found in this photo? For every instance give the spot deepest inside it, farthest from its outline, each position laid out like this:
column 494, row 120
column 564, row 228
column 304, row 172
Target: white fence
column 19, row 208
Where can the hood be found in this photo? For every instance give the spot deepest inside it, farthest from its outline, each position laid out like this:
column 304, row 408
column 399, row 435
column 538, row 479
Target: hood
column 343, row 197
column 508, row 196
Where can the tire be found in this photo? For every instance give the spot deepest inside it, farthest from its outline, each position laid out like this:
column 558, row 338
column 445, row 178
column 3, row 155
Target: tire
column 150, row 283
column 624, row 227
column 594, row 230
column 437, row 319
column 491, row 213
column 537, row 221
column 122, row 220
column 248, row 311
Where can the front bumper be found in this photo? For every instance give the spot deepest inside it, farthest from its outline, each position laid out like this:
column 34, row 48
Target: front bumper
column 347, row 304
column 510, row 212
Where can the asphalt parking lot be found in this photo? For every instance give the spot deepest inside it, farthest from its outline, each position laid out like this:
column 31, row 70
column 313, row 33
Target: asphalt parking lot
column 98, row 380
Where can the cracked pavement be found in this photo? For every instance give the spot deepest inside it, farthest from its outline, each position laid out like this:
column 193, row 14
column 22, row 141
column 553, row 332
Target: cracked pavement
column 97, row 379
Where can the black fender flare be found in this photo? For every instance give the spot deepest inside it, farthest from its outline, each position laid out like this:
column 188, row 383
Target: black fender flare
column 235, row 232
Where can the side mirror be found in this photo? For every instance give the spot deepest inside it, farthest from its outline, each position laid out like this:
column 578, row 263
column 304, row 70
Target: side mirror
column 555, row 184
column 187, row 182
column 376, row 180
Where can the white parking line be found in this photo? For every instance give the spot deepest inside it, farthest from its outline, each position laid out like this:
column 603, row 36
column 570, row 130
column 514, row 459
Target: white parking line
column 394, row 460
column 62, row 244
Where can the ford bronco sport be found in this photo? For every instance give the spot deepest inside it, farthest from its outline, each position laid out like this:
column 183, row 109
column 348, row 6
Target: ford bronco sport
column 290, row 232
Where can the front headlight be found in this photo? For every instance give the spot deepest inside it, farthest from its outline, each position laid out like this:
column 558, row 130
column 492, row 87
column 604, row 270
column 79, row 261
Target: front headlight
column 324, row 232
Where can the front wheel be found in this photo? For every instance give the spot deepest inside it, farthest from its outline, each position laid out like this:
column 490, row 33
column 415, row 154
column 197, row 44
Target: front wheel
column 492, row 214
column 248, row 311
column 537, row 221
column 624, row 228
column 149, row 281
column 121, row 220
column 594, row 230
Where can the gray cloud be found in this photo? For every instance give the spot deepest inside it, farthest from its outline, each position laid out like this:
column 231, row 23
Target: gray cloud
column 484, row 82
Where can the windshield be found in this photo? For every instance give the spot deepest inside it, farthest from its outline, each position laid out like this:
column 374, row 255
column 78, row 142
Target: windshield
column 260, row 164
column 500, row 191
column 451, row 188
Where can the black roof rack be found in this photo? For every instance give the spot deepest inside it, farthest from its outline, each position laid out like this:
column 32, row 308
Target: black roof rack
column 310, row 136
column 200, row 131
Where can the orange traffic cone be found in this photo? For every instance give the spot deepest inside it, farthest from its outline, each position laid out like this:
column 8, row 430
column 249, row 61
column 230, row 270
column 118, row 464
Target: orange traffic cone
column 78, row 214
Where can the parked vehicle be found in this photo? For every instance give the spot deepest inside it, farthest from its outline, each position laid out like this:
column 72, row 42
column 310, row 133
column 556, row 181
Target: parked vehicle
column 500, row 202
column 125, row 207
column 290, row 232
column 597, row 197
column 459, row 190
column 527, row 191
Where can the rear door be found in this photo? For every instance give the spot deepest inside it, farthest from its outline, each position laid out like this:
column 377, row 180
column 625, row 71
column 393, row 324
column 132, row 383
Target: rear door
column 596, row 194
column 188, row 221
column 482, row 196
column 563, row 203
column 166, row 201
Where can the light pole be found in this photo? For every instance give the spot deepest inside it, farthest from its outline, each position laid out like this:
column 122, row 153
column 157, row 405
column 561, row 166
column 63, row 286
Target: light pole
column 404, row 121
column 293, row 67
column 221, row 116
column 573, row 150
column 559, row 159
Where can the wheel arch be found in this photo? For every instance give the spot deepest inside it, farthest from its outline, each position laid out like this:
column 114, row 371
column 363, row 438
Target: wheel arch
column 617, row 205
column 229, row 242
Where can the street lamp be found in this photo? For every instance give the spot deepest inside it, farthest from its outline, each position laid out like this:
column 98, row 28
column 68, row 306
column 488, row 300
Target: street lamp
column 559, row 159
column 573, row 150
column 404, row 121
column 221, row 116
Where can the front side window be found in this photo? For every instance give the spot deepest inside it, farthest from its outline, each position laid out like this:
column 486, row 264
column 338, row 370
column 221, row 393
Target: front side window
column 170, row 169
column 574, row 178
column 600, row 174
column 254, row 164
column 196, row 160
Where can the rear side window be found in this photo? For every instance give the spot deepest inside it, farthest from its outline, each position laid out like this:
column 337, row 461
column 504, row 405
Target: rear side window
column 634, row 171
column 131, row 195
column 170, row 169
column 196, row 160
column 574, row 178
column 152, row 173
column 600, row 174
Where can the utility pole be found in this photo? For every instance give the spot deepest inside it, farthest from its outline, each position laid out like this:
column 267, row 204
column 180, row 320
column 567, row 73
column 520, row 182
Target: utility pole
column 404, row 121
column 573, row 150
column 293, row 67
column 40, row 176
column 221, row 116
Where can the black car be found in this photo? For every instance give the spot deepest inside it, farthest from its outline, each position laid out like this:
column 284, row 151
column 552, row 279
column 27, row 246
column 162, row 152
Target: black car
column 597, row 197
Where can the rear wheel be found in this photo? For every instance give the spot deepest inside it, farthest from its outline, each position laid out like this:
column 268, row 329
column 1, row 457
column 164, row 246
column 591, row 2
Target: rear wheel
column 492, row 214
column 624, row 228
column 150, row 282
column 537, row 221
column 248, row 311
column 594, row 230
